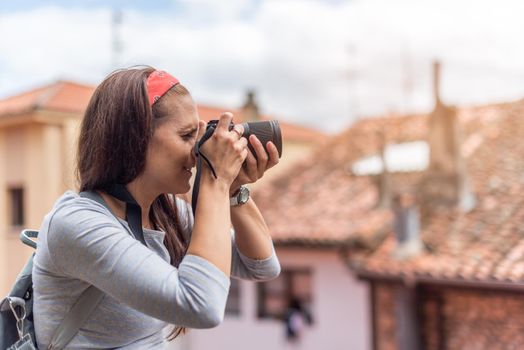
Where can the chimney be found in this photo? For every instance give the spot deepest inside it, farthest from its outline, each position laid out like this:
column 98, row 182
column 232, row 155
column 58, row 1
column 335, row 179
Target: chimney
column 250, row 107
column 406, row 226
column 445, row 183
column 436, row 82
column 384, row 178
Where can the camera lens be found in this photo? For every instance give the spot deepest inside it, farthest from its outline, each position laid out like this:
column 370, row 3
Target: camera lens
column 265, row 131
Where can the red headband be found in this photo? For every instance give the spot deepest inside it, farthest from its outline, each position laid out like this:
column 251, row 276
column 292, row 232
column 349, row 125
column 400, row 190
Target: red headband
column 158, row 83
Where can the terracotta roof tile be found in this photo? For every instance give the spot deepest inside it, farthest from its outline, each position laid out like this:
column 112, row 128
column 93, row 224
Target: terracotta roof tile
column 61, row 96
column 485, row 244
column 319, row 194
column 321, row 202
column 69, row 97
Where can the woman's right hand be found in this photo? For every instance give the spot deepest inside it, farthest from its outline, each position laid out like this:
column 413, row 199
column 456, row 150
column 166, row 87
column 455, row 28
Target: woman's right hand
column 226, row 150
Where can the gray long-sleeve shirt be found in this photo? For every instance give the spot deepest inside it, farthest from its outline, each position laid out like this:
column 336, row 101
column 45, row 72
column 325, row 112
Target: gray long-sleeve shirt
column 81, row 243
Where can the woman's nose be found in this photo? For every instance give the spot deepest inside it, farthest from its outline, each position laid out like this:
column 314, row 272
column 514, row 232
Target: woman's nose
column 192, row 154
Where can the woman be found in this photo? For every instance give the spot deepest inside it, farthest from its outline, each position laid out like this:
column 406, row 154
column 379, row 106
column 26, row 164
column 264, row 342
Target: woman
column 139, row 130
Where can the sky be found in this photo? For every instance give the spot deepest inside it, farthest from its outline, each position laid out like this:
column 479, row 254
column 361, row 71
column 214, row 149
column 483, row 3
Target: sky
column 322, row 64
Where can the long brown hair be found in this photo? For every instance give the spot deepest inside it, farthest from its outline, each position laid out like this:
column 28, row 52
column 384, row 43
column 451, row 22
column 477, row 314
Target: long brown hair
column 116, row 129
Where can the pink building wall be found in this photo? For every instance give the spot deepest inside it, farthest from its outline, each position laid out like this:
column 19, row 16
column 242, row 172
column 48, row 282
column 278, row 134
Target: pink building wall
column 340, row 310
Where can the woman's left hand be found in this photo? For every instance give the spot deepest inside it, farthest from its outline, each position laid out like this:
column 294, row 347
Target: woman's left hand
column 254, row 168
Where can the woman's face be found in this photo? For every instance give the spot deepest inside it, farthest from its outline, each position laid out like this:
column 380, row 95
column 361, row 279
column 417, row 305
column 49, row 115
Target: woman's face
column 169, row 158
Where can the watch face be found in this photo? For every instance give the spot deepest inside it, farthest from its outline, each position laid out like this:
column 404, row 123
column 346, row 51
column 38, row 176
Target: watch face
column 243, row 196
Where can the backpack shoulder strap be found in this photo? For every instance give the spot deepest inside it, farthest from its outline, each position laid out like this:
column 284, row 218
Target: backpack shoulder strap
column 75, row 318
column 95, row 196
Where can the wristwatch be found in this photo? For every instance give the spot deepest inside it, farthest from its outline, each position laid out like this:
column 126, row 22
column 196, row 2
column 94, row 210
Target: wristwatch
column 240, row 197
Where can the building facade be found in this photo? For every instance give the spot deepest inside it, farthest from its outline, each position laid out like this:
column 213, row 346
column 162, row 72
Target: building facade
column 336, row 302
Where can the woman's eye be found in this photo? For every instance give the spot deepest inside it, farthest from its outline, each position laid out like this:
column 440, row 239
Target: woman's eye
column 188, row 136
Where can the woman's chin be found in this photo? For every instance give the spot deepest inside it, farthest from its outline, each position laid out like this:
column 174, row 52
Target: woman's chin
column 183, row 185
column 182, row 188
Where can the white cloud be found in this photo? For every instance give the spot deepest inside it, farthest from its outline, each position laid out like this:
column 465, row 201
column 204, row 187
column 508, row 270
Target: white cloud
column 42, row 45
column 313, row 62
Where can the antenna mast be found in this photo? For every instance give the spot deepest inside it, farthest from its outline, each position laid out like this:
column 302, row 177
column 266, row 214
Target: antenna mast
column 116, row 42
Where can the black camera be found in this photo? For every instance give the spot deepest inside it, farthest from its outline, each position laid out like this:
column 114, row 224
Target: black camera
column 265, row 131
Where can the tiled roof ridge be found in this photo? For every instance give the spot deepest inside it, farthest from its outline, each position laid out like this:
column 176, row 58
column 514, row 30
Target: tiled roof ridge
column 414, row 277
column 47, row 94
column 56, row 84
column 45, row 97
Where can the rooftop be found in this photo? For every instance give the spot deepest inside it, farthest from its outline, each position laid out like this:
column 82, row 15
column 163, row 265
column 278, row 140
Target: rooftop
column 326, row 203
column 61, row 96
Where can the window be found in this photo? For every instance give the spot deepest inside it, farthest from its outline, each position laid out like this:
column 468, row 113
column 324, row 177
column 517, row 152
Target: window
column 16, row 206
column 293, row 286
column 233, row 298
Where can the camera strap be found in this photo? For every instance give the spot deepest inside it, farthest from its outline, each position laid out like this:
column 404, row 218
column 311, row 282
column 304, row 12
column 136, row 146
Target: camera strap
column 133, row 210
column 199, row 156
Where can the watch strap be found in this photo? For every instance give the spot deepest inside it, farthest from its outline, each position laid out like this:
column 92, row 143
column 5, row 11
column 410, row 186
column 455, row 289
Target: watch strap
column 233, row 201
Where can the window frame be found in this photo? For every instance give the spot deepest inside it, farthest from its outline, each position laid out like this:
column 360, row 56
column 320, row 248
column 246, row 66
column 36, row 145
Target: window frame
column 16, row 213
column 288, row 275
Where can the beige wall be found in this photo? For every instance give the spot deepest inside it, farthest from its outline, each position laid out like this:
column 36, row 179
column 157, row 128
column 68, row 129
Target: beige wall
column 37, row 155
column 13, row 154
column 3, row 214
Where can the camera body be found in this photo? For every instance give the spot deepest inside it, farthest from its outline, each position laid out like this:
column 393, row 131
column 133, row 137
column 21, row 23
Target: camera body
column 265, row 131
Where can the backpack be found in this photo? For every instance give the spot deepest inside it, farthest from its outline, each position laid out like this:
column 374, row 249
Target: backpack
column 16, row 310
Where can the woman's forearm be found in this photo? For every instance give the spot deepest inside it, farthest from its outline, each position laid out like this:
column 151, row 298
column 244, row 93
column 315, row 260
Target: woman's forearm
column 251, row 232
column 211, row 239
